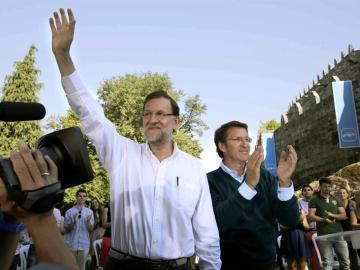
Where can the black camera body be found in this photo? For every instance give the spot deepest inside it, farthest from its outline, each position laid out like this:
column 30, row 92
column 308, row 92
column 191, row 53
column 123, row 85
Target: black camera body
column 68, row 150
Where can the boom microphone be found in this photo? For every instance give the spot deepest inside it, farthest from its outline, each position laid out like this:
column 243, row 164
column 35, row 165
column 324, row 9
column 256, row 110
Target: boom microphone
column 21, row 111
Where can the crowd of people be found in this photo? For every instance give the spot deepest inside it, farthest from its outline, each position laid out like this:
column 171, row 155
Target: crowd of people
column 163, row 207
column 329, row 210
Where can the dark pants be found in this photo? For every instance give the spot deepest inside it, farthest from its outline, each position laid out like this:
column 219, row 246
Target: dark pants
column 128, row 264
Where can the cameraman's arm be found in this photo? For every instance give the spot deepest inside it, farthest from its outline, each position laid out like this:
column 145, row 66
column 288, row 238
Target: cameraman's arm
column 8, row 242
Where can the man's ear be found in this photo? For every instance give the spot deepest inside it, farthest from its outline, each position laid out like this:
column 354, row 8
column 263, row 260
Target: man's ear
column 177, row 122
column 222, row 146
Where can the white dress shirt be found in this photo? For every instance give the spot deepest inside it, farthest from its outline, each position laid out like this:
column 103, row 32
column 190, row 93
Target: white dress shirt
column 159, row 210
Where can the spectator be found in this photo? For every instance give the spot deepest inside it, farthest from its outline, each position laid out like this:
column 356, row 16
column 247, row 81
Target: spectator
column 328, row 212
column 161, row 210
column 248, row 200
column 294, row 246
column 98, row 230
column 78, row 224
column 307, row 193
column 106, row 243
column 350, row 209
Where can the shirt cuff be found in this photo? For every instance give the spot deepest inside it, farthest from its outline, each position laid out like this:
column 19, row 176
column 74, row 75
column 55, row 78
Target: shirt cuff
column 285, row 193
column 71, row 83
column 246, row 191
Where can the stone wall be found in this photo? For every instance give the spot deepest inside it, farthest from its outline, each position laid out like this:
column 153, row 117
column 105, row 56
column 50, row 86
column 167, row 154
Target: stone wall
column 310, row 123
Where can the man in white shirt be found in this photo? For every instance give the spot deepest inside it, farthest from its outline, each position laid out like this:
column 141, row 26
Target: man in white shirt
column 161, row 211
column 78, row 225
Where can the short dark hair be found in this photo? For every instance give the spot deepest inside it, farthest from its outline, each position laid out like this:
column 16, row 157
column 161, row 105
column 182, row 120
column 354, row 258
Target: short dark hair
column 306, row 186
column 80, row 190
column 163, row 94
column 324, row 180
column 221, row 133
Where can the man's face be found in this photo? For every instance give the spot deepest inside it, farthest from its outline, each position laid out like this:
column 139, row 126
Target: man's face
column 81, row 198
column 236, row 147
column 158, row 122
column 325, row 189
column 307, row 192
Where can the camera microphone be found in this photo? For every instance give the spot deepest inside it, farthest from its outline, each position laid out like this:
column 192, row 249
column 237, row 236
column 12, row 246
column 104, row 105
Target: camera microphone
column 21, row 111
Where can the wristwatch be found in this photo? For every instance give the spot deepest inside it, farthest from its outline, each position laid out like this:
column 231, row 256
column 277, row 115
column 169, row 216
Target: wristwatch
column 6, row 225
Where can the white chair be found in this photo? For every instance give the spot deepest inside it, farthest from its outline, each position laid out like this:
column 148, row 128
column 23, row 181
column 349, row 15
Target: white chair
column 96, row 248
column 23, row 255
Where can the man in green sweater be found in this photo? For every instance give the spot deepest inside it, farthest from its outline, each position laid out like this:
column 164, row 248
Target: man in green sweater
column 248, row 200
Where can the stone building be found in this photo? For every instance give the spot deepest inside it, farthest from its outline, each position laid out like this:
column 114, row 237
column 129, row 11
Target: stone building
column 310, row 123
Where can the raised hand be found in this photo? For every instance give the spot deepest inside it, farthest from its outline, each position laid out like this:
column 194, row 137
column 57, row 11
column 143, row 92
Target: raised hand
column 286, row 167
column 253, row 167
column 62, row 30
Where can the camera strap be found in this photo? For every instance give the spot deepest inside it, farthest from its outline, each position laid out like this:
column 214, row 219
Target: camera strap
column 42, row 199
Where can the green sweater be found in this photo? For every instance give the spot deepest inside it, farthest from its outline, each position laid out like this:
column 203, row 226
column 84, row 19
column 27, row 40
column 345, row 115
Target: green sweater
column 247, row 227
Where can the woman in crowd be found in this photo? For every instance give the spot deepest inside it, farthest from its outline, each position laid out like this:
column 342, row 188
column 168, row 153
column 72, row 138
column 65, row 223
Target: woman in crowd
column 99, row 230
column 349, row 223
column 294, row 247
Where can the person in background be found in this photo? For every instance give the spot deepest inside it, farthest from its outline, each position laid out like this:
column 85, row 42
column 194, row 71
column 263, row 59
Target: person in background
column 307, row 192
column 106, row 243
column 78, row 225
column 98, row 230
column 348, row 223
column 294, row 246
column 328, row 212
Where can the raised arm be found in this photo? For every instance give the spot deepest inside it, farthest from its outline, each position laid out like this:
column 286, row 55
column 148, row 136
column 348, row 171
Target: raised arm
column 286, row 167
column 62, row 30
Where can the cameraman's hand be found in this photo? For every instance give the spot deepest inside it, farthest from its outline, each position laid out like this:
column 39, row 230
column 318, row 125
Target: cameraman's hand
column 33, row 171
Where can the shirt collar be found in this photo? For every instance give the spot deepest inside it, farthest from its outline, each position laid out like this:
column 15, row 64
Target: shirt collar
column 175, row 151
column 233, row 174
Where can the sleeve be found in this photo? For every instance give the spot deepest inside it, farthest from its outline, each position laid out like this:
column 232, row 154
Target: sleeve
column 91, row 115
column 207, row 242
column 68, row 218
column 285, row 193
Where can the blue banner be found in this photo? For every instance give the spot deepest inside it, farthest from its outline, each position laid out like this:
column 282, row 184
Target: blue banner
column 346, row 119
column 269, row 152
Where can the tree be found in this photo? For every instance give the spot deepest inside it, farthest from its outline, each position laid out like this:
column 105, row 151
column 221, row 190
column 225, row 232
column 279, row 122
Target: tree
column 191, row 121
column 272, row 125
column 99, row 186
column 21, row 85
column 122, row 100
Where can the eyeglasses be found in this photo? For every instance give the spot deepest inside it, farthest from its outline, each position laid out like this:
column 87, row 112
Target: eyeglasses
column 158, row 115
column 240, row 139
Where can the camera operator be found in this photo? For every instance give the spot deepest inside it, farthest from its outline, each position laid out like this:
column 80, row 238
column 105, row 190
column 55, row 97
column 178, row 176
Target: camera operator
column 34, row 171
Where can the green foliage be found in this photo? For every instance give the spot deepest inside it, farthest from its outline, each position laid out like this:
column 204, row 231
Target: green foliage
column 272, row 125
column 21, row 85
column 99, row 186
column 191, row 121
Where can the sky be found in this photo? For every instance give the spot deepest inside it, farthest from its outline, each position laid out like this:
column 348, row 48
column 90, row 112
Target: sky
column 246, row 59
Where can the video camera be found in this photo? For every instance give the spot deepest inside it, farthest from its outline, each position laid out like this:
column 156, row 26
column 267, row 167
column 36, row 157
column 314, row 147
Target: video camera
column 65, row 147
